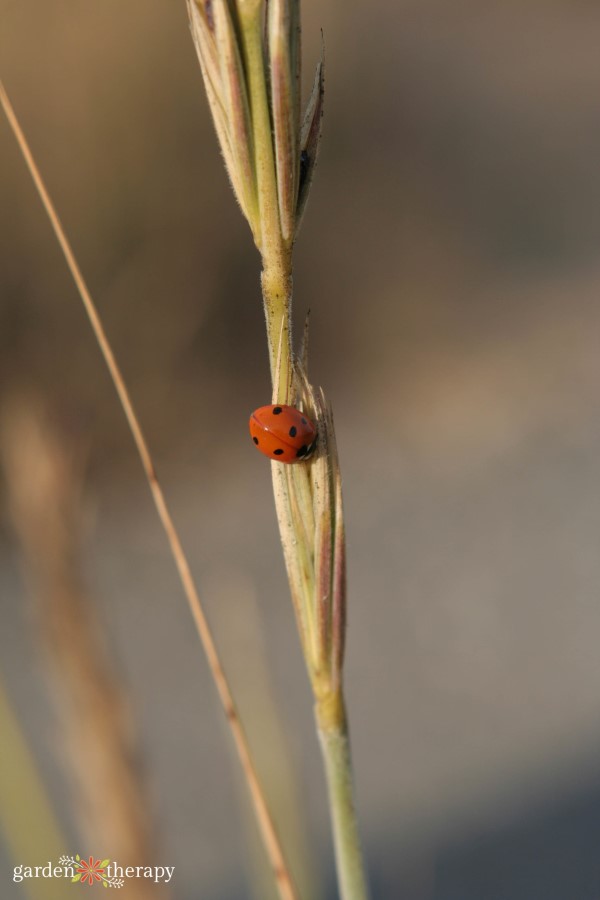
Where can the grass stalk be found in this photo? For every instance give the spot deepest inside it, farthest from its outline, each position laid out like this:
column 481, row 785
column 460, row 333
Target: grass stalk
column 307, row 498
column 264, row 819
column 276, row 282
column 332, row 728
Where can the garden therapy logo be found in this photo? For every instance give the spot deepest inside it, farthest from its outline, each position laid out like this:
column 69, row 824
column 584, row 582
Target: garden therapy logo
column 93, row 871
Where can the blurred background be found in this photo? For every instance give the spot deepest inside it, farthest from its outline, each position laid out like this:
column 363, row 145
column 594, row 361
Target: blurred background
column 449, row 257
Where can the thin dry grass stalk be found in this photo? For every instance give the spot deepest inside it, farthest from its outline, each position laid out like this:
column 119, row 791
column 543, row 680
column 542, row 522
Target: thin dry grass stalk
column 44, row 477
column 266, row 825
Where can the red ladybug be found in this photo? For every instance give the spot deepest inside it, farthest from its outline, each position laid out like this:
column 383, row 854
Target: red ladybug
column 283, row 433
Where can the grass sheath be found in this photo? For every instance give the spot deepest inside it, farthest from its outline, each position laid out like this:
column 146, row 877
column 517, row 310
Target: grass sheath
column 266, row 130
column 269, row 835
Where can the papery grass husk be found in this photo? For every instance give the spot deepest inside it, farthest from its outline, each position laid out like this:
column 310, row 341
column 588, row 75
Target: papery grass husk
column 225, row 86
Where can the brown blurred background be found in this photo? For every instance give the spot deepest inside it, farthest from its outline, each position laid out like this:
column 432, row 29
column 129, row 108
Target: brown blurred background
column 449, row 256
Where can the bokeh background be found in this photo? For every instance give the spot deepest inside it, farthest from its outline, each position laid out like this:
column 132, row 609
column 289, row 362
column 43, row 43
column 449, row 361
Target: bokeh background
column 449, row 257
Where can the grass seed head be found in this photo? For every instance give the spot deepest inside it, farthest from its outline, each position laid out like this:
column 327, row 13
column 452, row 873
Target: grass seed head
column 222, row 31
column 313, row 536
column 249, row 52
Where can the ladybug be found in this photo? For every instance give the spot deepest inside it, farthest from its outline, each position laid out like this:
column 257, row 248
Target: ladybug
column 282, row 433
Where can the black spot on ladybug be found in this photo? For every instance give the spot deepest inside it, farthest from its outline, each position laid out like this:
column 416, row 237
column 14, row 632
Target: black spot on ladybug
column 277, row 452
column 292, row 431
column 304, row 422
column 255, row 440
column 277, row 411
column 302, row 451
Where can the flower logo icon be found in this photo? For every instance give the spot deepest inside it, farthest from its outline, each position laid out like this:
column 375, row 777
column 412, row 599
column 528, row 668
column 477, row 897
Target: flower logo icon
column 92, row 870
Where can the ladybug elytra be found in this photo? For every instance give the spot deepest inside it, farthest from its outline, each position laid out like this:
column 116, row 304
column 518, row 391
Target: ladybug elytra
column 282, row 433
